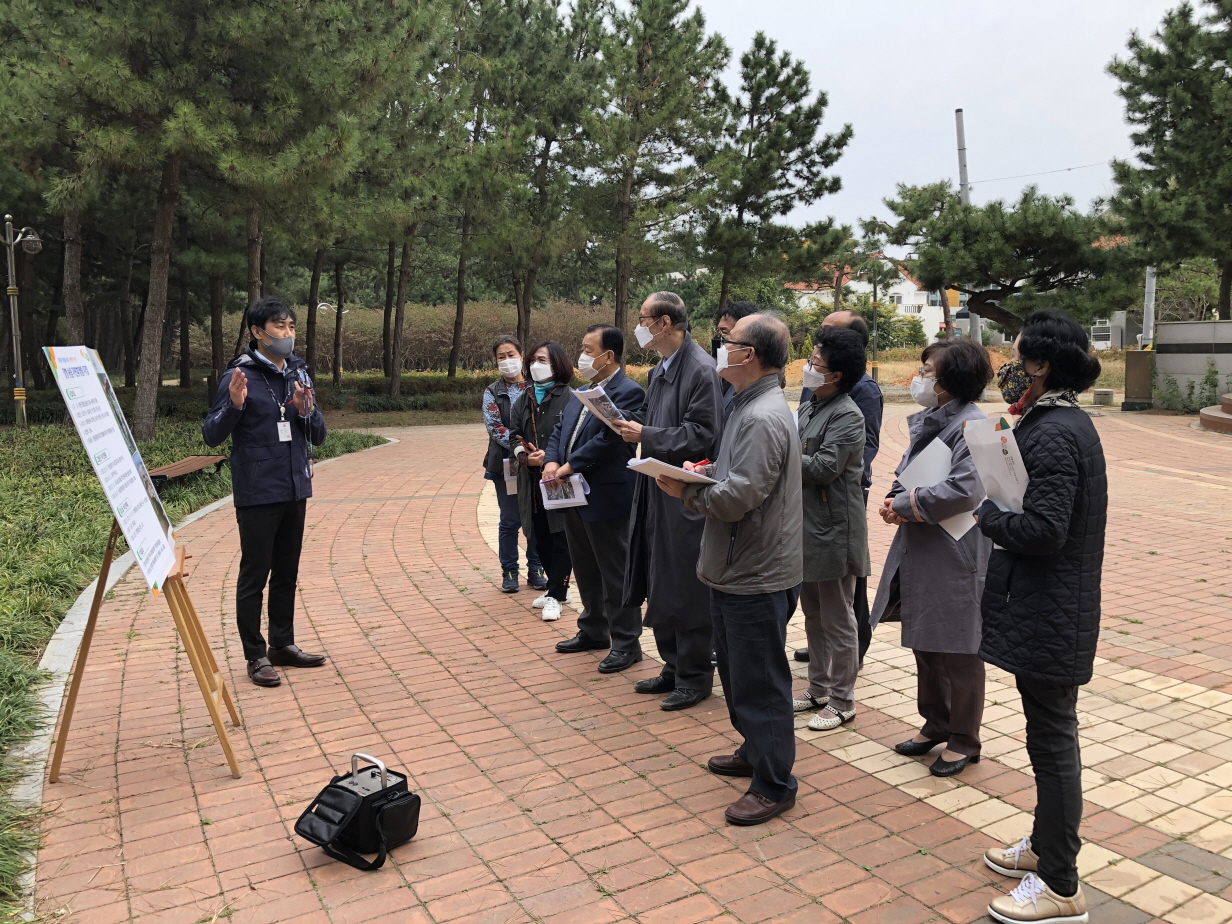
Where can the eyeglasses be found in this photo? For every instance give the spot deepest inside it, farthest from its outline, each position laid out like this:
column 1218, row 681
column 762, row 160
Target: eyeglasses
column 736, row 343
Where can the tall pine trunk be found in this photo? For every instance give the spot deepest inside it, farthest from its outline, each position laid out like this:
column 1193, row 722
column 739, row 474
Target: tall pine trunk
column 725, row 286
column 127, row 328
column 74, row 305
column 145, row 404
column 338, row 324
column 404, row 278
column 314, row 299
column 388, row 320
column 185, row 355
column 254, row 274
column 945, row 313
column 624, row 263
column 217, row 361
column 455, row 350
column 1225, row 293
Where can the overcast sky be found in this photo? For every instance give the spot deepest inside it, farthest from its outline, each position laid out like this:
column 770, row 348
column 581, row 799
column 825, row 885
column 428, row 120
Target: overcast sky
column 1029, row 76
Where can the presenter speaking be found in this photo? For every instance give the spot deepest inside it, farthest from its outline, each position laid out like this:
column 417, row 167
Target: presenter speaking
column 265, row 404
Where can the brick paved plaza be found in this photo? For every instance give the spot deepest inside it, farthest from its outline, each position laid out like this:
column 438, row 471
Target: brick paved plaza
column 552, row 793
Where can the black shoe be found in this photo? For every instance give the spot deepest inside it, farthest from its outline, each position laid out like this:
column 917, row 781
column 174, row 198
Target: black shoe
column 683, row 699
column 510, row 583
column 915, row 748
column 660, row 684
column 291, row 656
column 618, row 661
column 580, row 642
column 952, row 767
column 263, row 674
column 802, row 654
column 537, row 579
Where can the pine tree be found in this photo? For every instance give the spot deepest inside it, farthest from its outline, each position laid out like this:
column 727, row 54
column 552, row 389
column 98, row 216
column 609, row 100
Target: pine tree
column 663, row 68
column 1178, row 95
column 768, row 160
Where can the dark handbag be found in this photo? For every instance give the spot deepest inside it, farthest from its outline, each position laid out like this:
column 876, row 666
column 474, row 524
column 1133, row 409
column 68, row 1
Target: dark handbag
column 368, row 811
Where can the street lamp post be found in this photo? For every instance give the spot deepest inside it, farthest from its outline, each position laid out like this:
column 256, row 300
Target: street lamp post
column 31, row 244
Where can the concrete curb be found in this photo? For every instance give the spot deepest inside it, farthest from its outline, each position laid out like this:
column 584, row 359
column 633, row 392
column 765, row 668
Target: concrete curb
column 57, row 661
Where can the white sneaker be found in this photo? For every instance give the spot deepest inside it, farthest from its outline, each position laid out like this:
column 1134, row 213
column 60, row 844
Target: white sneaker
column 551, row 609
column 538, row 602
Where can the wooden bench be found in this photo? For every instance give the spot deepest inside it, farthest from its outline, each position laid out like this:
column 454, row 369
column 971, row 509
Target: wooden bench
column 185, row 466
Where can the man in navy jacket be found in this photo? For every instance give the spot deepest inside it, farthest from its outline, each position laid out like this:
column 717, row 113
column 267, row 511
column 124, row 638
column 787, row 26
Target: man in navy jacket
column 265, row 404
column 598, row 533
column 868, row 398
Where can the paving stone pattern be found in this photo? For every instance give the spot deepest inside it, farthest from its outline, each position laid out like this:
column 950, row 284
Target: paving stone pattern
column 552, row 793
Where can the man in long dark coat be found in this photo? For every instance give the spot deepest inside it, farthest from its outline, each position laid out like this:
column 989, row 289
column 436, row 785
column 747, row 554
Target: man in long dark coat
column 680, row 422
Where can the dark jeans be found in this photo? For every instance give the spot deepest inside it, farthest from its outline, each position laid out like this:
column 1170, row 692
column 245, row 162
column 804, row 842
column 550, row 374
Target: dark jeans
column 950, row 697
column 864, row 632
column 686, row 656
column 553, row 551
column 271, row 537
column 507, row 531
column 1052, row 744
column 750, row 635
column 598, row 550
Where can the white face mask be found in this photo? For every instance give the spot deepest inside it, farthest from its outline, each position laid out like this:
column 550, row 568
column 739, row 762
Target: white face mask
column 586, row 366
column 923, row 392
column 643, row 335
column 509, row 368
column 721, row 361
column 813, row 380
column 541, row 372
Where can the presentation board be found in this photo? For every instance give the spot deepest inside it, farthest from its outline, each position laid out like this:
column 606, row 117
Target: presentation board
column 113, row 452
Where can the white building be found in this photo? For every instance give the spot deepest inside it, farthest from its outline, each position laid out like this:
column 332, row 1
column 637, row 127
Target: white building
column 907, row 296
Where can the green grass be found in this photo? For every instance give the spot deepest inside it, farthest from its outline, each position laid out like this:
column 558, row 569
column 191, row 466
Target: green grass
column 54, row 522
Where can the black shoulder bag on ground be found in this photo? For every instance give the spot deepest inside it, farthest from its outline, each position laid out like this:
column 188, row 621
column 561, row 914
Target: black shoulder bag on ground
column 364, row 811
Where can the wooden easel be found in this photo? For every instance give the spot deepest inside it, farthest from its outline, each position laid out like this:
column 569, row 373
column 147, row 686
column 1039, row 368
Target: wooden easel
column 192, row 636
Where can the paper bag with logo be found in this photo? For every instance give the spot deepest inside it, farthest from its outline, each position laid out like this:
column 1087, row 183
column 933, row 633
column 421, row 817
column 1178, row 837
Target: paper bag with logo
column 998, row 461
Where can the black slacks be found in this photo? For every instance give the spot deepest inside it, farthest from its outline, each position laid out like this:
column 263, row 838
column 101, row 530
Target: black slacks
column 864, row 632
column 1052, row 744
column 750, row 635
column 686, row 656
column 598, row 550
column 950, row 698
column 271, row 538
column 553, row 553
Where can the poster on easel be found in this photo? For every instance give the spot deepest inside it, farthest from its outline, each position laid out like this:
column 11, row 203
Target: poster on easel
column 113, row 452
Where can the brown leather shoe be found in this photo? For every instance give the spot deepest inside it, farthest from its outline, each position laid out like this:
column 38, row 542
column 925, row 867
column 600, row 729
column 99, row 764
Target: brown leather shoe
column 729, row 765
column 755, row 809
column 263, row 674
column 291, row 656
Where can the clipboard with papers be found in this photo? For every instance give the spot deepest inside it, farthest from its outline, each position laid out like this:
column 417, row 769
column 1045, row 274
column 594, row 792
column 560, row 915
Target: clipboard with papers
column 929, row 468
column 654, row 468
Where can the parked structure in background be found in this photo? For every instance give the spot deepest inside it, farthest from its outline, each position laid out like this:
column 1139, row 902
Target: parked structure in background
column 1115, row 333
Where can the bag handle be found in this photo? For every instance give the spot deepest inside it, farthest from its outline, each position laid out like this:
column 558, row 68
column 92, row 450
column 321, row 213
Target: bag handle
column 372, row 760
column 351, row 858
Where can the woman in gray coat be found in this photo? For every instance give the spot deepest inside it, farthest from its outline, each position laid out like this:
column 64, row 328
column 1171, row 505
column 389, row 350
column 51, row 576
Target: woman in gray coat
column 932, row 581
column 835, row 525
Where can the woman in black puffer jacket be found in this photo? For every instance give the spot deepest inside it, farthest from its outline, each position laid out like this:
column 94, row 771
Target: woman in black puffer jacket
column 1041, row 606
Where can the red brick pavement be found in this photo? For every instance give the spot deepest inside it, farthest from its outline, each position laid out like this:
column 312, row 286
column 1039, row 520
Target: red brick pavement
column 551, row 793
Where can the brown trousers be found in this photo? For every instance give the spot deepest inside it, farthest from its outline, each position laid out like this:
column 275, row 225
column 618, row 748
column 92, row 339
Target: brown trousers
column 950, row 697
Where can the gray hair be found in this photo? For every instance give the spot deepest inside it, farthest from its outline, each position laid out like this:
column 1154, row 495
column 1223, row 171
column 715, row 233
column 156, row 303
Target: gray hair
column 769, row 338
column 671, row 305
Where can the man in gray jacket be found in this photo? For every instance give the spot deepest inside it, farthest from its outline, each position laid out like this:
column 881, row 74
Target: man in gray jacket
column 752, row 561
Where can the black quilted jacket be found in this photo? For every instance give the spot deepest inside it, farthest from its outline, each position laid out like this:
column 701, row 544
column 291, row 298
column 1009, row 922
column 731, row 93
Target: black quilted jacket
column 1041, row 598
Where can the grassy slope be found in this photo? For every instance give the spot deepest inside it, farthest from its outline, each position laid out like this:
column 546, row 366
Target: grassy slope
column 54, row 522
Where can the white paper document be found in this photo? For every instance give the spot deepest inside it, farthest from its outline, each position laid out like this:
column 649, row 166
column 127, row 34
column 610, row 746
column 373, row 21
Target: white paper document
column 599, row 404
column 654, row 468
column 929, row 468
column 998, row 460
column 564, row 492
column 108, row 442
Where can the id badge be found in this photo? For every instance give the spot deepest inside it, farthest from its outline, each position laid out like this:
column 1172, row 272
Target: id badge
column 284, row 431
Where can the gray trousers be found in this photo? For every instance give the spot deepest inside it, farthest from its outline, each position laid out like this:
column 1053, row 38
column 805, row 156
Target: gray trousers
column 950, row 697
column 598, row 551
column 833, row 642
